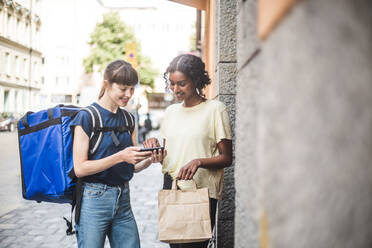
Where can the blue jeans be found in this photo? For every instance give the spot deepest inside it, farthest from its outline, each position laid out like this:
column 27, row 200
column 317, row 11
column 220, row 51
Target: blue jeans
column 106, row 210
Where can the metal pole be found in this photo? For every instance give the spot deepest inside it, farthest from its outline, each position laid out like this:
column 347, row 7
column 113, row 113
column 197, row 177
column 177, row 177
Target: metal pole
column 198, row 30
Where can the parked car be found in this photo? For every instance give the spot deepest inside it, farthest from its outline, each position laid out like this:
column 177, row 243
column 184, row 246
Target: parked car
column 8, row 123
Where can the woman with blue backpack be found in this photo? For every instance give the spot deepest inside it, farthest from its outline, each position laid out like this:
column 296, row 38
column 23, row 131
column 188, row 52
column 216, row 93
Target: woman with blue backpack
column 197, row 133
column 105, row 170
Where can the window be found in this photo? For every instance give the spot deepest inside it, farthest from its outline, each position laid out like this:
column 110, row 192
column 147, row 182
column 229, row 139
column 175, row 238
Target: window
column 37, row 6
column 8, row 25
column 35, row 100
column 35, row 73
column 25, row 68
column 27, row 32
column 7, row 64
column 24, row 30
column 68, row 98
column 43, row 98
column 61, row 99
column 25, row 100
column 6, row 101
column 2, row 22
column 18, row 30
column 37, row 38
column 16, row 101
column 17, row 66
column 21, row 30
column 2, row 63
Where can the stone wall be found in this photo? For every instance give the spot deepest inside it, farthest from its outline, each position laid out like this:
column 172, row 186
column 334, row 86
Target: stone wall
column 225, row 84
column 304, row 127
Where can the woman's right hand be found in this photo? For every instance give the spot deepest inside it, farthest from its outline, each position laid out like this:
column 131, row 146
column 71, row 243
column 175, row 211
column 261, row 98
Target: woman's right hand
column 133, row 155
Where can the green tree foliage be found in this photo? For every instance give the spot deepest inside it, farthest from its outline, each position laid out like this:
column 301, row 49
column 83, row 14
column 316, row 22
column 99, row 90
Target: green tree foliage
column 107, row 43
column 146, row 72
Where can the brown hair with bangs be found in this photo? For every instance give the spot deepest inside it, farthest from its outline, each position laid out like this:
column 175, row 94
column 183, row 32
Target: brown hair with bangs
column 120, row 72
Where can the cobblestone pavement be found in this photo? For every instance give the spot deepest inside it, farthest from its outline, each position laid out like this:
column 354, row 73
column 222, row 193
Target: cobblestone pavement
column 31, row 224
column 41, row 224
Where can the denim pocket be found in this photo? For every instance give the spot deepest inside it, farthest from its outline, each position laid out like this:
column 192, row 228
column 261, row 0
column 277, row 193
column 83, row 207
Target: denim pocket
column 93, row 192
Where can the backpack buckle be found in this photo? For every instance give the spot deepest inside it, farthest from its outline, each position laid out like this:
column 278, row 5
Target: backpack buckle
column 122, row 129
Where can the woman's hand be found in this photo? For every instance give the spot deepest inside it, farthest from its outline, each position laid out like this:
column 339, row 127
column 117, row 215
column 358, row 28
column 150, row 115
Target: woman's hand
column 133, row 155
column 151, row 142
column 158, row 156
column 188, row 171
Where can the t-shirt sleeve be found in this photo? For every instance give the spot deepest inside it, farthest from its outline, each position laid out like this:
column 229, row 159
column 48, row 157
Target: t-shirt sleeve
column 222, row 124
column 84, row 120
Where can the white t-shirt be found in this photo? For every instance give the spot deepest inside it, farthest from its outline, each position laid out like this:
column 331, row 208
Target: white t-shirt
column 191, row 133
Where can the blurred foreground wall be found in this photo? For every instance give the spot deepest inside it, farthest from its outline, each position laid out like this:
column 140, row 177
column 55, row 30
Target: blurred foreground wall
column 303, row 170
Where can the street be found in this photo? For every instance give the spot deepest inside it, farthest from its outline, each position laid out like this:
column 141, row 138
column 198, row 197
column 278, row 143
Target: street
column 30, row 224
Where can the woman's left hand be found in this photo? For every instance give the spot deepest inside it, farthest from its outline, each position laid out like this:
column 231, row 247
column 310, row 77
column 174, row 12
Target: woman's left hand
column 150, row 143
column 188, row 171
column 158, row 156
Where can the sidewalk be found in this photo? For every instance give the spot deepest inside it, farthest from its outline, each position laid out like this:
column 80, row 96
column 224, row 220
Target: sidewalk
column 41, row 225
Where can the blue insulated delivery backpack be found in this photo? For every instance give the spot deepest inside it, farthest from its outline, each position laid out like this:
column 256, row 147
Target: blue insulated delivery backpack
column 45, row 146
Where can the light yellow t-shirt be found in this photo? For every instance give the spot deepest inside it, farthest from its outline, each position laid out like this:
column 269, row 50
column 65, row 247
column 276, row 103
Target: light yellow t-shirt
column 192, row 133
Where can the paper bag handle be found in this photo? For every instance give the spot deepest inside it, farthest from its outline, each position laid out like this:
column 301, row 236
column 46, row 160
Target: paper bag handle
column 174, row 184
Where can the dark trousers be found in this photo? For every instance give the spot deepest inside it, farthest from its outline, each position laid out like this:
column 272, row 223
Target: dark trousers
column 212, row 209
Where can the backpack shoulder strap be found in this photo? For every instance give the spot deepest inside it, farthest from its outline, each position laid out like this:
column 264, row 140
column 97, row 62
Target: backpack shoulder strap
column 94, row 141
column 95, row 138
column 129, row 120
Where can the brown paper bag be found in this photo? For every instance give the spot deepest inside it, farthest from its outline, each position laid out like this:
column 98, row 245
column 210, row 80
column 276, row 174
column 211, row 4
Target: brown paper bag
column 184, row 215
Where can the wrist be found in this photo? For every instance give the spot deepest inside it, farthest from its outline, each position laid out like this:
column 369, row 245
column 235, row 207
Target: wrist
column 199, row 163
column 118, row 158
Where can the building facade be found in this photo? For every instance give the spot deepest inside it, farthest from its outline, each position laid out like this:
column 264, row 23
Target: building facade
column 20, row 56
column 65, row 44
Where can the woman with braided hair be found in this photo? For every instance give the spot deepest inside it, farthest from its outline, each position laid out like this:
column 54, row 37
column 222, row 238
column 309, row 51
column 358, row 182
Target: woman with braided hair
column 197, row 132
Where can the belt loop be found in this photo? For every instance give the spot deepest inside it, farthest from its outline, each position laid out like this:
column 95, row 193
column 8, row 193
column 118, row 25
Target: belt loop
column 104, row 188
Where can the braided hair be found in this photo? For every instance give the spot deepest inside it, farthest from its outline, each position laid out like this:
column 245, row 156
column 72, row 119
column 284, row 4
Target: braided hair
column 193, row 67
